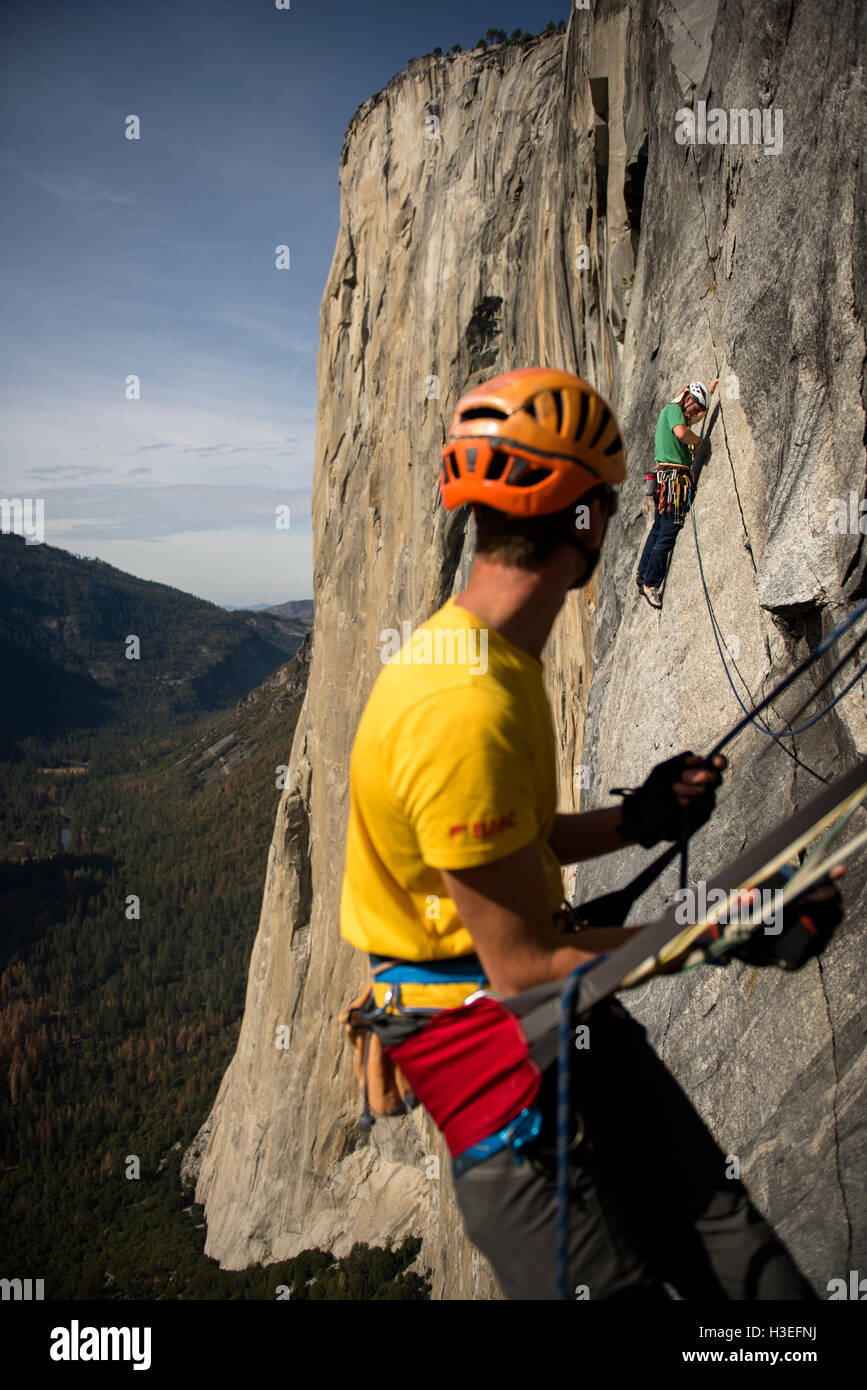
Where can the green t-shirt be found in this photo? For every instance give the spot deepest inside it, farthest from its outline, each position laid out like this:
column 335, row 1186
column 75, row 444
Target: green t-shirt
column 667, row 447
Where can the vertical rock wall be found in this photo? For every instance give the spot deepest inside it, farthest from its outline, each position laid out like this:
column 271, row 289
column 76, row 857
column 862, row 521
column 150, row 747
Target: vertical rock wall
column 459, row 255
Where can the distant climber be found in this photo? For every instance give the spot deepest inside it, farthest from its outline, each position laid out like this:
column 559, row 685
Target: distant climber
column 453, row 887
column 670, row 484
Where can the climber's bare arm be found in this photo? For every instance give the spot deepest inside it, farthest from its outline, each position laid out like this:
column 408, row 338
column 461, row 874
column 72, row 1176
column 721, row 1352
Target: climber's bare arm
column 686, row 436
column 584, row 834
column 503, row 906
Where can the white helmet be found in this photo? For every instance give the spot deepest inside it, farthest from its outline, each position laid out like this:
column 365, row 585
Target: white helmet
column 698, row 391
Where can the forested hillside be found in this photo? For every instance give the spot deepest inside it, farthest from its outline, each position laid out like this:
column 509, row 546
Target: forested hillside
column 123, row 966
column 122, row 969
column 67, row 626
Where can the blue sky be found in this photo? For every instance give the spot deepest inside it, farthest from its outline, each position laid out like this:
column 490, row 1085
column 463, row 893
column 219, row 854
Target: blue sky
column 155, row 257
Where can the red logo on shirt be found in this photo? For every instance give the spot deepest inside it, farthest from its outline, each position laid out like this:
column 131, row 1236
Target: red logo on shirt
column 483, row 829
column 456, row 830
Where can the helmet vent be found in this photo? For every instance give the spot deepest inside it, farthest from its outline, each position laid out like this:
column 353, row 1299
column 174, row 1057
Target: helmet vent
column 453, row 464
column 614, row 447
column 557, row 398
column 530, row 478
column 582, row 415
column 484, row 412
column 603, row 425
column 497, row 466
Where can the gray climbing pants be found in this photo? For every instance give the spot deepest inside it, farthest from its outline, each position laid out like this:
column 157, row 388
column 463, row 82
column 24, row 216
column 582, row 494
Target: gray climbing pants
column 650, row 1204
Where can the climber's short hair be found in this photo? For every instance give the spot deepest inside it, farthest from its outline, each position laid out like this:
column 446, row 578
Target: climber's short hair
column 525, row 542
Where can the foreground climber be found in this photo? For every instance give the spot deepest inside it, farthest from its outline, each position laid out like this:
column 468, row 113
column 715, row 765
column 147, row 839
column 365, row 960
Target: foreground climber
column 453, row 886
column 670, row 484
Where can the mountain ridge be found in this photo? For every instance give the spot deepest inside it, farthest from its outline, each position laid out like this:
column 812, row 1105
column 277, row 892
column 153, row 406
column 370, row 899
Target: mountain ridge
column 65, row 625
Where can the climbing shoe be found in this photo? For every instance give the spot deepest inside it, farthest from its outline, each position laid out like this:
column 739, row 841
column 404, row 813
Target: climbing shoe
column 653, row 596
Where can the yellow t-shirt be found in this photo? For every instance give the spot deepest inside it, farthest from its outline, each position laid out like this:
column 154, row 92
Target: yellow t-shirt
column 453, row 766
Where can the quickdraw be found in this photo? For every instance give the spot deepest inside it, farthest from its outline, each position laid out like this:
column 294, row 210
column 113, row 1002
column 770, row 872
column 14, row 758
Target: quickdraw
column 674, row 485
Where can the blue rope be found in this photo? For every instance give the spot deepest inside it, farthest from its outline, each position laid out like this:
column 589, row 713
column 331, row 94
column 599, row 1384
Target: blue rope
column 570, row 992
column 822, row 712
column 564, row 1056
column 760, row 725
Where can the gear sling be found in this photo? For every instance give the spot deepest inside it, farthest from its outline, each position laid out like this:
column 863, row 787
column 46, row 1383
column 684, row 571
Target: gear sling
column 460, row 1053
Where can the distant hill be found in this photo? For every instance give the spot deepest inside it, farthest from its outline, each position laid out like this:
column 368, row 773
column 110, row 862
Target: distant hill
column 300, row 609
column 296, row 610
column 64, row 628
column 232, row 737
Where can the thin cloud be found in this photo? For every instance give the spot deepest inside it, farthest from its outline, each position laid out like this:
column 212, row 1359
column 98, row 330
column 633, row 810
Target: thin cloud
column 71, row 470
column 75, row 188
column 233, row 467
column 265, row 331
column 212, row 450
column 147, row 512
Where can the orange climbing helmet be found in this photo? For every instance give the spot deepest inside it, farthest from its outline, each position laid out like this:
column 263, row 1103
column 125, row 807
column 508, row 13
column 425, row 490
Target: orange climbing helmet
column 529, row 443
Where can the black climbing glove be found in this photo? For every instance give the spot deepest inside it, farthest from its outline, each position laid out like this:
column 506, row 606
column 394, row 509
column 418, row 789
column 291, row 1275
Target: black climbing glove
column 652, row 812
column 807, row 927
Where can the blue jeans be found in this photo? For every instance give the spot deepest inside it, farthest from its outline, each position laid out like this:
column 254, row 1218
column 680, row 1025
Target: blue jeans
column 657, row 548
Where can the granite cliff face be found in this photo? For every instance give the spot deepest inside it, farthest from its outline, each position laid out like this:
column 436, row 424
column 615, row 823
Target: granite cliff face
column 469, row 186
